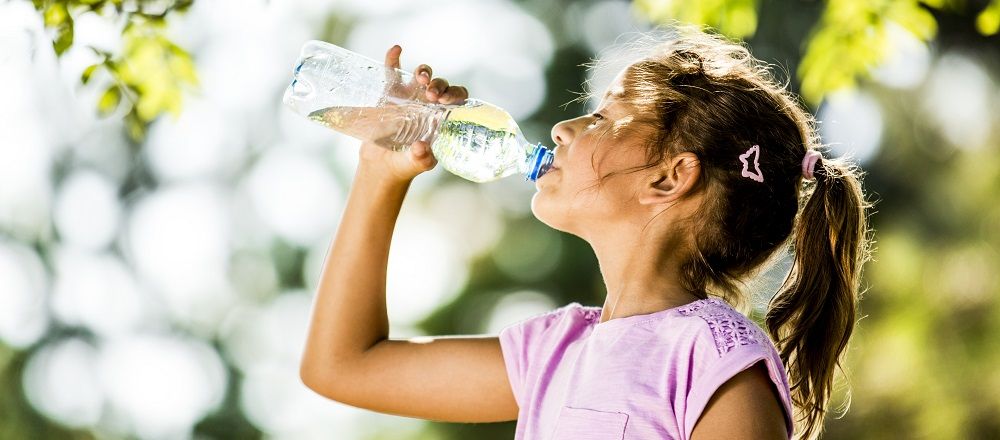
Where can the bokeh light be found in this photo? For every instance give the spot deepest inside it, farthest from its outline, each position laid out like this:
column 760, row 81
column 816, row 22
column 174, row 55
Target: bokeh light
column 908, row 60
column 93, row 193
column 425, row 269
column 851, row 122
column 202, row 143
column 959, row 102
column 295, row 195
column 99, row 292
column 62, row 382
column 160, row 385
column 178, row 240
column 23, row 288
column 518, row 306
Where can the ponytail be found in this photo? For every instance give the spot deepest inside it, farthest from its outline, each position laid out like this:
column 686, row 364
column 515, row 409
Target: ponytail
column 812, row 316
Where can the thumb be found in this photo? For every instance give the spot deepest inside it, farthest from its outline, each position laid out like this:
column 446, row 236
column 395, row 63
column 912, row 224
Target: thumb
column 421, row 156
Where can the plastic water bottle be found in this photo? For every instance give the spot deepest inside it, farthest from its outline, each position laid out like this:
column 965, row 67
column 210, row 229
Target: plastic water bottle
column 363, row 98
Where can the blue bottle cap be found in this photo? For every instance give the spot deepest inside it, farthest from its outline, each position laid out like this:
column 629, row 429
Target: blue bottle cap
column 541, row 162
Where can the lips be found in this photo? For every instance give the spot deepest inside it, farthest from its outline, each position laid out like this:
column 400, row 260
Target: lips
column 555, row 165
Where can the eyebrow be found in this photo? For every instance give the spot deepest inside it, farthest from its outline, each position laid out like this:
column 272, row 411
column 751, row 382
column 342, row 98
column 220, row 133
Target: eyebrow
column 609, row 94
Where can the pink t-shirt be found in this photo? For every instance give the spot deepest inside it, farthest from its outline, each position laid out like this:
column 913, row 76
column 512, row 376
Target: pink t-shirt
column 637, row 377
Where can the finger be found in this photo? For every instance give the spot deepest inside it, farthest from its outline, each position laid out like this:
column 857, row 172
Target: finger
column 454, row 94
column 392, row 56
column 436, row 87
column 421, row 155
column 423, row 73
column 419, row 149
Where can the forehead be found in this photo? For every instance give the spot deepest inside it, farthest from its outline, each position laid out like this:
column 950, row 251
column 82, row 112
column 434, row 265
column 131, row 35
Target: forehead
column 612, row 97
column 615, row 90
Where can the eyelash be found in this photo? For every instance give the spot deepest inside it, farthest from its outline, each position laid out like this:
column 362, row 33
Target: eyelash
column 599, row 117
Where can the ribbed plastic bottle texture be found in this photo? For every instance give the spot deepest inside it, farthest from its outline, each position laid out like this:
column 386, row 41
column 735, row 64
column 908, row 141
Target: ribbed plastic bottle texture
column 360, row 97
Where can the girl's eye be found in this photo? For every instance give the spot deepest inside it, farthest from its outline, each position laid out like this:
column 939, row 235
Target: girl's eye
column 597, row 117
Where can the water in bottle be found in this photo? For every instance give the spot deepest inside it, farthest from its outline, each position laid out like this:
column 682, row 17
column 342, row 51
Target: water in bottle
column 359, row 97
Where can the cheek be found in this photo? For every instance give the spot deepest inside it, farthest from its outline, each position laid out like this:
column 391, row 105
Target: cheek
column 566, row 204
column 590, row 168
column 609, row 186
column 577, row 187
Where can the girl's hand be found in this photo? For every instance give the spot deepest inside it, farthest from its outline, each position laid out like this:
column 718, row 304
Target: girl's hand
column 407, row 164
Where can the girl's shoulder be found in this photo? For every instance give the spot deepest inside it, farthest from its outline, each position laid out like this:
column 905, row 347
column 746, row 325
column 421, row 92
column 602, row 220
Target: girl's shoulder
column 571, row 309
column 728, row 327
column 573, row 314
column 709, row 325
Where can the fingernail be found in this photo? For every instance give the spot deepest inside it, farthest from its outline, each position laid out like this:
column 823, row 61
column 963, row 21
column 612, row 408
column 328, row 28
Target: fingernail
column 424, row 74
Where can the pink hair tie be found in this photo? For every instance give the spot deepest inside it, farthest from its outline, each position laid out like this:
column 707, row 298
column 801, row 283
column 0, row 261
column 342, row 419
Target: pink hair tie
column 809, row 162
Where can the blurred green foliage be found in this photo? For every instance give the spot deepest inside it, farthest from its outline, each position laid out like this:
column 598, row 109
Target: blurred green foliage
column 988, row 21
column 735, row 18
column 848, row 41
column 150, row 74
column 851, row 38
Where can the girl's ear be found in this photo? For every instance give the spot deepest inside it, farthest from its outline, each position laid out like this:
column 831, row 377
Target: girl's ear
column 671, row 180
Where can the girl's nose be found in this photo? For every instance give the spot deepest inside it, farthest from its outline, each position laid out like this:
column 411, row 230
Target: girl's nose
column 562, row 133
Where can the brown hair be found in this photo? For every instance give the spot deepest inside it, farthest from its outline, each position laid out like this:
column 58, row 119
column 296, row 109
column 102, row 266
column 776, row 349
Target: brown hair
column 701, row 93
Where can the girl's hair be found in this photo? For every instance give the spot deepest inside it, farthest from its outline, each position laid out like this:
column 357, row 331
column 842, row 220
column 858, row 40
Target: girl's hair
column 701, row 93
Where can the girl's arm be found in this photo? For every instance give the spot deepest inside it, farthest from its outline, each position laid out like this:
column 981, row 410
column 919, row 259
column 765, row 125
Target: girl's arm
column 348, row 355
column 728, row 415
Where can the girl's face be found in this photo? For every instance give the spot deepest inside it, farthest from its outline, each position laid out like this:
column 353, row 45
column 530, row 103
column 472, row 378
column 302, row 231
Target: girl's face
column 588, row 147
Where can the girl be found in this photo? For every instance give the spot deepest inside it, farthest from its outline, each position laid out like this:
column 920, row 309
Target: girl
column 707, row 159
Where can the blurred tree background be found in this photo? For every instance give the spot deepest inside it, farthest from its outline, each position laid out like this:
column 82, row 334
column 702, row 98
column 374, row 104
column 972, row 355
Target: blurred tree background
column 163, row 219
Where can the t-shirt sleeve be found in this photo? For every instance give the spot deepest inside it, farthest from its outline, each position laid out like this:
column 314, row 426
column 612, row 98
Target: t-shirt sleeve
column 726, row 367
column 520, row 343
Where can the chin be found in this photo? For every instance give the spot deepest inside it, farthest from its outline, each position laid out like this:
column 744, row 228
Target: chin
column 543, row 210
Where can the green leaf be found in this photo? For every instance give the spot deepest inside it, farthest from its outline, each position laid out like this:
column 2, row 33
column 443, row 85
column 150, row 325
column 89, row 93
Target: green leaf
column 988, row 21
column 55, row 14
column 136, row 128
column 182, row 66
column 85, row 77
column 183, row 5
column 64, row 36
column 915, row 19
column 109, row 100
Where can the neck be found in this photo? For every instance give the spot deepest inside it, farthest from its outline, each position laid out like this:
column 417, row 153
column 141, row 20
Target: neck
column 640, row 271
